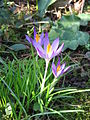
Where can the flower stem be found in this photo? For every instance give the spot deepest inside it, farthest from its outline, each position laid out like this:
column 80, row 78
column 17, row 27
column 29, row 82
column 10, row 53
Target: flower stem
column 53, row 84
column 43, row 82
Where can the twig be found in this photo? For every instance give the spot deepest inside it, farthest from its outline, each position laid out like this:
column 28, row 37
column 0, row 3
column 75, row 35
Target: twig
column 39, row 22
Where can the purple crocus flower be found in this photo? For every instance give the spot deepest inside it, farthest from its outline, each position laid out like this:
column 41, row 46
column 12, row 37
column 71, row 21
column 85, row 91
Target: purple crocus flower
column 37, row 39
column 59, row 69
column 48, row 51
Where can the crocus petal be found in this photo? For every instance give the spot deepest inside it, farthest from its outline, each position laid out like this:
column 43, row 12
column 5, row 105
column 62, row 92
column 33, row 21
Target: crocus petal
column 60, row 72
column 40, row 47
column 55, row 44
column 52, row 55
column 41, row 53
column 46, row 41
column 41, row 38
column 31, row 40
column 54, row 69
column 28, row 38
column 58, row 62
column 34, row 44
column 35, row 33
column 37, row 45
column 66, row 69
column 59, row 50
column 63, row 66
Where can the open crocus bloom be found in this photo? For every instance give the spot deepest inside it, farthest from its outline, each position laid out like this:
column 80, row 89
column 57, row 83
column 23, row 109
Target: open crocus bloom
column 48, row 51
column 37, row 39
column 59, row 69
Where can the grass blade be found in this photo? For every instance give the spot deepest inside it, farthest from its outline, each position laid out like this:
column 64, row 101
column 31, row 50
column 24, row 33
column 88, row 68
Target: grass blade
column 14, row 96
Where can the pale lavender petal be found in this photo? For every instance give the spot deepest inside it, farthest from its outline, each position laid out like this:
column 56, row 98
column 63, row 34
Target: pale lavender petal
column 40, row 48
column 55, row 44
column 63, row 66
column 41, row 38
column 54, row 69
column 28, row 38
column 47, row 57
column 60, row 72
column 31, row 40
column 46, row 41
column 35, row 33
column 37, row 45
column 58, row 62
column 40, row 53
column 58, row 51
column 66, row 69
column 52, row 55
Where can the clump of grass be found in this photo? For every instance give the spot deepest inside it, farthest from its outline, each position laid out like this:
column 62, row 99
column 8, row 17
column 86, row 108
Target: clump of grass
column 20, row 87
column 18, row 83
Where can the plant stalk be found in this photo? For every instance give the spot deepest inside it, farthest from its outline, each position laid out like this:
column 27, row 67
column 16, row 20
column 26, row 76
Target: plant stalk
column 43, row 82
column 53, row 84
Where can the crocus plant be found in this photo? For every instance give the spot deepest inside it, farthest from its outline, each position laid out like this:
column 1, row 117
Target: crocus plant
column 59, row 69
column 47, row 51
